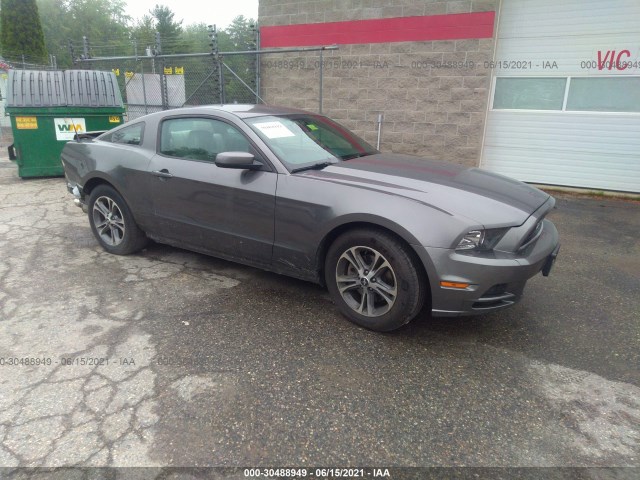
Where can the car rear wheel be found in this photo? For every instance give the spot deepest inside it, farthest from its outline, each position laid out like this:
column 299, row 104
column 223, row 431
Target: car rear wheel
column 112, row 223
column 373, row 279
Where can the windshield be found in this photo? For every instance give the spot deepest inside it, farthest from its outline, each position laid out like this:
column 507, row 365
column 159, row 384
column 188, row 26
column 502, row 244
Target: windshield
column 305, row 139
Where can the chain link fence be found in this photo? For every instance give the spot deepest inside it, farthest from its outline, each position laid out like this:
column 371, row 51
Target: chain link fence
column 152, row 84
column 161, row 82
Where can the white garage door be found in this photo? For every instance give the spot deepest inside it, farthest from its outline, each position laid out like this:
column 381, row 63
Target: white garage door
column 565, row 103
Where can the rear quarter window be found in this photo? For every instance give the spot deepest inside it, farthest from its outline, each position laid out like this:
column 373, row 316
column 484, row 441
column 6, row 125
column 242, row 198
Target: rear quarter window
column 129, row 135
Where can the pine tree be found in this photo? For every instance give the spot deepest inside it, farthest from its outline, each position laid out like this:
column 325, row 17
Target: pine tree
column 21, row 31
column 168, row 28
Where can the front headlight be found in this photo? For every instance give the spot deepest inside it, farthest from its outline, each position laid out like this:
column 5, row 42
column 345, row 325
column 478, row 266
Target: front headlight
column 481, row 239
column 471, row 240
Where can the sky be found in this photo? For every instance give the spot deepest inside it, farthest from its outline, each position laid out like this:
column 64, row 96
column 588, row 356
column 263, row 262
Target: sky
column 218, row 12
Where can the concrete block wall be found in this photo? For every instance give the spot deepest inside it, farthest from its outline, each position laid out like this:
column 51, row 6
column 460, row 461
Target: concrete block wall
column 433, row 94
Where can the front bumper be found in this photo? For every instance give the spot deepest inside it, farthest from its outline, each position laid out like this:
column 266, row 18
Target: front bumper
column 496, row 279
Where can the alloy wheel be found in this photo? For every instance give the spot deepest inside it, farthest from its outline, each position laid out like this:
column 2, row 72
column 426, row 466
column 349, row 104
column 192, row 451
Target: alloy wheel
column 366, row 281
column 108, row 220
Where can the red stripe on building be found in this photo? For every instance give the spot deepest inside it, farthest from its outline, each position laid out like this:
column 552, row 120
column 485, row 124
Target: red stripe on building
column 383, row 30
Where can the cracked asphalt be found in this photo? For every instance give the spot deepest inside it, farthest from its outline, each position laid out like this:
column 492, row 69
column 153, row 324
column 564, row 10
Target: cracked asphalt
column 169, row 358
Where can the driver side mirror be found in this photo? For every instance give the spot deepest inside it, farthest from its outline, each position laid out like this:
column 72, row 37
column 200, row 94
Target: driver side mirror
column 239, row 160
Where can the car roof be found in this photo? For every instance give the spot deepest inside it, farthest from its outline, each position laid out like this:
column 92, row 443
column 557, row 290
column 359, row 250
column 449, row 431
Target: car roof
column 237, row 109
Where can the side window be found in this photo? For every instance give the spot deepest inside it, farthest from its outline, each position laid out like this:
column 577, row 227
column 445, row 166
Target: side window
column 131, row 135
column 200, row 138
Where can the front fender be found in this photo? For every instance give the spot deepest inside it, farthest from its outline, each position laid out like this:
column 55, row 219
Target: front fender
column 309, row 212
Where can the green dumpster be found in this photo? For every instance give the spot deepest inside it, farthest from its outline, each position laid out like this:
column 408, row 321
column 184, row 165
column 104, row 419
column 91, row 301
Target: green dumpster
column 48, row 108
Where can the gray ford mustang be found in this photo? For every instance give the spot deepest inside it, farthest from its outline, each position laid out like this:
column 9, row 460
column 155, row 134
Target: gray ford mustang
column 296, row 193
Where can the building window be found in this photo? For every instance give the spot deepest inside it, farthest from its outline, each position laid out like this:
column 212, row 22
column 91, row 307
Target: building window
column 529, row 93
column 606, row 94
column 584, row 94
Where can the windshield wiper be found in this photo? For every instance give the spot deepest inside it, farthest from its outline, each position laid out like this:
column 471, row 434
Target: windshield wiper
column 314, row 166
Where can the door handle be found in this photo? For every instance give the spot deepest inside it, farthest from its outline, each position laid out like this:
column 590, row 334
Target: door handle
column 164, row 173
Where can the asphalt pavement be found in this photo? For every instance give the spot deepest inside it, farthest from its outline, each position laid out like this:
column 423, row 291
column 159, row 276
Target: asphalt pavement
column 169, row 358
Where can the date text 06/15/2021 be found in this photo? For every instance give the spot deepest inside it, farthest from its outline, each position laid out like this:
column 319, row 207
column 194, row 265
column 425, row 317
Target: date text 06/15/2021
column 321, row 472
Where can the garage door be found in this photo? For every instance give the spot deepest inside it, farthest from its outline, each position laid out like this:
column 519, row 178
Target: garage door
column 565, row 100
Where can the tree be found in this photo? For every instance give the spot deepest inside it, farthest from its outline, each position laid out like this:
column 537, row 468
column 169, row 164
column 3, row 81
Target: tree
column 103, row 22
column 239, row 36
column 21, row 31
column 57, row 28
column 144, row 32
column 241, row 33
column 168, row 28
column 195, row 38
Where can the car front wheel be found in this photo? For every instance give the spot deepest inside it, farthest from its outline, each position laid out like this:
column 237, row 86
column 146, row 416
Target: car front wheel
column 373, row 279
column 112, row 223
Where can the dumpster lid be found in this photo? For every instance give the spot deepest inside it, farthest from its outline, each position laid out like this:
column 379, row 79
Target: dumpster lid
column 35, row 88
column 72, row 88
column 91, row 88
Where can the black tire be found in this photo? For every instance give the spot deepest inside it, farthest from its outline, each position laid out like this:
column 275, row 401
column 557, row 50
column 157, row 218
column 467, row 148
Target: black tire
column 112, row 223
column 375, row 295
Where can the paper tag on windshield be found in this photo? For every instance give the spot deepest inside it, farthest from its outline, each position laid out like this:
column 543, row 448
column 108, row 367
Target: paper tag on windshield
column 274, row 130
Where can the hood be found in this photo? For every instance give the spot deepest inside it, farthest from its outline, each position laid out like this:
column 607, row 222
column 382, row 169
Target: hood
column 482, row 196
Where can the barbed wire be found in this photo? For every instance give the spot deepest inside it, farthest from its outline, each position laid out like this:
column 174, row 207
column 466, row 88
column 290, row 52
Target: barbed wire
column 122, row 45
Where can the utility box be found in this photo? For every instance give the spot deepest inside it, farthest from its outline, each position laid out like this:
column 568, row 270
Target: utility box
column 48, row 108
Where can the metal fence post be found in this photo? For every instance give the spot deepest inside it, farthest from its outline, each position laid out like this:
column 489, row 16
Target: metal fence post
column 257, row 63
column 321, row 74
column 164, row 94
column 380, row 120
column 144, row 88
column 221, row 78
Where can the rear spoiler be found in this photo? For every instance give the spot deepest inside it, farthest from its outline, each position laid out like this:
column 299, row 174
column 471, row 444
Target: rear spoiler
column 88, row 135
